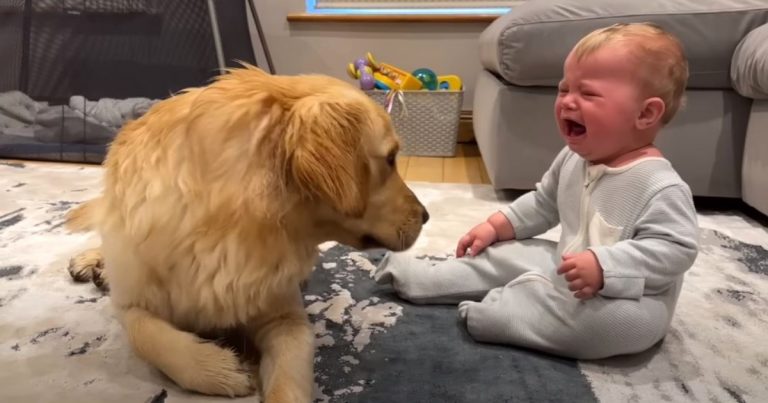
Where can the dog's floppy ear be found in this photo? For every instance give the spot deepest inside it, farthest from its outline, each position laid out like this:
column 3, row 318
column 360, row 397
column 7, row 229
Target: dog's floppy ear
column 324, row 151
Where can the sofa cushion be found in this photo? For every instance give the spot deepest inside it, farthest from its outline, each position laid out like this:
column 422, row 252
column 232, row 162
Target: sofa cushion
column 528, row 45
column 749, row 67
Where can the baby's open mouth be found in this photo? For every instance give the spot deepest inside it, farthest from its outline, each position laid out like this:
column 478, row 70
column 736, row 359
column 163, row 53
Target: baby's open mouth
column 573, row 128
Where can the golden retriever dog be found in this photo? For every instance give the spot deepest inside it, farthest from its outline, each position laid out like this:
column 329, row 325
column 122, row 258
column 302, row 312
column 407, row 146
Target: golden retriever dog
column 213, row 207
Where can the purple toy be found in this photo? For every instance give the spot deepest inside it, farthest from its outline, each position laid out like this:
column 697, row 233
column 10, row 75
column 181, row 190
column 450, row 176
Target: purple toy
column 360, row 64
column 367, row 82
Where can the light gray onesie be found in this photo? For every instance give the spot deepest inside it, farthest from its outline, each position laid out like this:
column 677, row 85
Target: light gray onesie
column 638, row 219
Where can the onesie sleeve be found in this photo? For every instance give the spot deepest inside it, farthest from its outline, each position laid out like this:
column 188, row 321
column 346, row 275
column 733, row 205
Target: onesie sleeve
column 536, row 211
column 663, row 247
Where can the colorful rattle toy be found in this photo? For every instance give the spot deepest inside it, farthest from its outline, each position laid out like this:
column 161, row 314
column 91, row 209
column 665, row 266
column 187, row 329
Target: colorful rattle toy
column 362, row 71
column 449, row 82
column 383, row 76
column 431, row 81
column 427, row 77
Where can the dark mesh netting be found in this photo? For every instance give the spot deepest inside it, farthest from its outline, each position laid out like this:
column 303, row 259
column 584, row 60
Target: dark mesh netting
column 73, row 71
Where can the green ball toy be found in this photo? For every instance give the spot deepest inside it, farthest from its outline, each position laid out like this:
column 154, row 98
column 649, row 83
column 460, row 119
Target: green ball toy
column 427, row 77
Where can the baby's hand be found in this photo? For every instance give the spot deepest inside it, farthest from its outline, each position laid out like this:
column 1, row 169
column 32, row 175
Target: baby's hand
column 583, row 273
column 477, row 239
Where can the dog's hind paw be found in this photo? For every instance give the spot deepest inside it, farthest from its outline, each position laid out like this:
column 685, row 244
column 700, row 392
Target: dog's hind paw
column 88, row 266
column 82, row 265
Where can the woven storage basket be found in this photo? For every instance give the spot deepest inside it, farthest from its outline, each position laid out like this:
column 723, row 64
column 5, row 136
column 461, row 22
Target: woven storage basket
column 429, row 123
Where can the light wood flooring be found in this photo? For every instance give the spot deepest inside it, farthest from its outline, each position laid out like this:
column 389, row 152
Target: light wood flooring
column 465, row 167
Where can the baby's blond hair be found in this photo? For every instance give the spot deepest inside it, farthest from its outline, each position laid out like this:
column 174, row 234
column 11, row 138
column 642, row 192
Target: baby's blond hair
column 658, row 54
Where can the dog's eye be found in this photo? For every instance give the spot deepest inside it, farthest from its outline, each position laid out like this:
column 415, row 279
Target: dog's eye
column 391, row 159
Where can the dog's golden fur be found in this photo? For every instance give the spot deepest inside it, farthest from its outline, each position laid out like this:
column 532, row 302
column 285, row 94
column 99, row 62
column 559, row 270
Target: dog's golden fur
column 214, row 203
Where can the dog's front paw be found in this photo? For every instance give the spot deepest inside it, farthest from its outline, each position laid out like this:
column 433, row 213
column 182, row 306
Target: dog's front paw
column 88, row 266
column 217, row 371
column 286, row 393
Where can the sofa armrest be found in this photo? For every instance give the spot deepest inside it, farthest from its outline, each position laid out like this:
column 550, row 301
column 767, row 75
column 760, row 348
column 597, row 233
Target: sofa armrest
column 749, row 65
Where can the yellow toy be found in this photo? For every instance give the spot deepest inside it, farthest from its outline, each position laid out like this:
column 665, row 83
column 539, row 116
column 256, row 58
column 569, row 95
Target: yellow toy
column 389, row 75
column 383, row 76
column 449, row 82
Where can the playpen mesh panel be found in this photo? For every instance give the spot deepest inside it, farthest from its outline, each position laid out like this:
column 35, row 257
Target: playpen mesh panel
column 74, row 71
column 11, row 24
column 133, row 49
column 98, row 6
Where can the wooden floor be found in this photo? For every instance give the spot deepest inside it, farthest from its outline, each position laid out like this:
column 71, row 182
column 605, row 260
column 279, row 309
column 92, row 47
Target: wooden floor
column 465, row 167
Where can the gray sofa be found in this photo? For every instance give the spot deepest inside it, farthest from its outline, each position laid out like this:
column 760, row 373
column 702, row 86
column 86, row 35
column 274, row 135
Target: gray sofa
column 718, row 142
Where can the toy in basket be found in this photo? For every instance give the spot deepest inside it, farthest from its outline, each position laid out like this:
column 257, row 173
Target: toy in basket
column 383, row 76
column 425, row 108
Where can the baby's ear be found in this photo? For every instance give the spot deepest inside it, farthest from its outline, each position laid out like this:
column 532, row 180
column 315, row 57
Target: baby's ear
column 651, row 113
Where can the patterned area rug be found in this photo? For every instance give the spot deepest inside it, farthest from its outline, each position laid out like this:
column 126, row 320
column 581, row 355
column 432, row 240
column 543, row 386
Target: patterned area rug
column 59, row 341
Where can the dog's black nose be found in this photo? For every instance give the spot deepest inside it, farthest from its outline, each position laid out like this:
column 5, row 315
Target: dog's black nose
column 424, row 216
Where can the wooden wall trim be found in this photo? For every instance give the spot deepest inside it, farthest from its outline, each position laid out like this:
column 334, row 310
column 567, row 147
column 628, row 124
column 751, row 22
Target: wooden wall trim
column 305, row 17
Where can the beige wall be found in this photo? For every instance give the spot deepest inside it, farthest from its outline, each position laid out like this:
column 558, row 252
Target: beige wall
column 324, row 47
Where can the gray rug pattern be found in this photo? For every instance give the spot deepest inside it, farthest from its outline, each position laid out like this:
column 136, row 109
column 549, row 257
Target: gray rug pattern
column 59, row 341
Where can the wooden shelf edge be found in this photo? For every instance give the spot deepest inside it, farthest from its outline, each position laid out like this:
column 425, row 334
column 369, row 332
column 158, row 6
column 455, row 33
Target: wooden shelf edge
column 305, row 17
